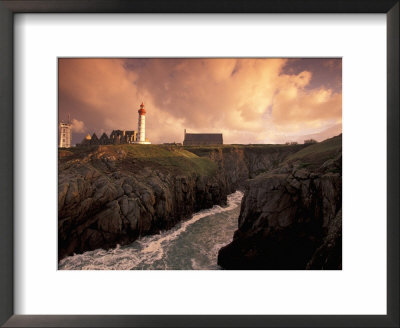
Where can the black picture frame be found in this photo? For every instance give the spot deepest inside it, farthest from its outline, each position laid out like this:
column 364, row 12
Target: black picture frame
column 7, row 10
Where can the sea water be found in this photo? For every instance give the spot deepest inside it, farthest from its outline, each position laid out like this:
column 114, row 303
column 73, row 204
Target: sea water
column 191, row 245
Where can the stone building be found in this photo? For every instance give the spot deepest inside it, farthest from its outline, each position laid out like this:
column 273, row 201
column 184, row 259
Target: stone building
column 121, row 136
column 198, row 139
column 104, row 139
column 116, row 137
column 94, row 140
column 65, row 135
column 86, row 141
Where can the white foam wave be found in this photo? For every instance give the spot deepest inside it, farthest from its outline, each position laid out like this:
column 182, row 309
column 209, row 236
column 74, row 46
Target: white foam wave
column 147, row 250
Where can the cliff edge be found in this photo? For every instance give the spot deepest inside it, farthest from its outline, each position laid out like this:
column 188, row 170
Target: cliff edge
column 114, row 194
column 291, row 217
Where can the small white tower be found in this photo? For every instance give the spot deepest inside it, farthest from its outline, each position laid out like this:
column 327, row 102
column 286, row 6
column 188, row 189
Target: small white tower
column 141, row 135
column 65, row 134
column 142, row 123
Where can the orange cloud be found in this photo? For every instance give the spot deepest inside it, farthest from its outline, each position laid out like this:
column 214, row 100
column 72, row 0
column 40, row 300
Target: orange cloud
column 249, row 100
column 306, row 107
column 78, row 126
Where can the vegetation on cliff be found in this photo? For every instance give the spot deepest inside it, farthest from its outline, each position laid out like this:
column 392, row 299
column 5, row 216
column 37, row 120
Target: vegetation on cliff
column 131, row 156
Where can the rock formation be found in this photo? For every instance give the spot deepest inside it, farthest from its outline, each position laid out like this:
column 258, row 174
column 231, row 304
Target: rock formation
column 240, row 163
column 107, row 197
column 291, row 217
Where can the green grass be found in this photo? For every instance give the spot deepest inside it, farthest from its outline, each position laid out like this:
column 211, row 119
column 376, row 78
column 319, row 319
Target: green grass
column 194, row 159
column 332, row 144
column 176, row 159
column 150, row 151
column 203, row 151
column 170, row 157
column 157, row 157
column 317, row 154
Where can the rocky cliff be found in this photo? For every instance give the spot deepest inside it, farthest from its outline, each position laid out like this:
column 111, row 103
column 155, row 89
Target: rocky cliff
column 113, row 194
column 237, row 163
column 291, row 217
column 116, row 193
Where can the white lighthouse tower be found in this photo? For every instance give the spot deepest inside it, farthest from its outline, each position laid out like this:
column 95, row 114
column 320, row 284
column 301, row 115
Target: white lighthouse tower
column 65, row 134
column 141, row 135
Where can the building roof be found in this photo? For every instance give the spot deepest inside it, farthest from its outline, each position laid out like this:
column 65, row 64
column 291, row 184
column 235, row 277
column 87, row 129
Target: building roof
column 204, row 137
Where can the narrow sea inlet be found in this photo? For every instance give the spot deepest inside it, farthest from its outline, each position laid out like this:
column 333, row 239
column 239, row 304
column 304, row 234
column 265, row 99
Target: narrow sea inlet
column 191, row 245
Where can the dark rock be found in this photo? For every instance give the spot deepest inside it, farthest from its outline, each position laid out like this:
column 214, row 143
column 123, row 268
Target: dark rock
column 288, row 222
column 99, row 207
column 286, row 214
column 109, row 220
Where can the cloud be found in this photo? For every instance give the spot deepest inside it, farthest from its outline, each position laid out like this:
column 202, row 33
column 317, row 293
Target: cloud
column 310, row 108
column 248, row 100
column 333, row 130
column 78, row 126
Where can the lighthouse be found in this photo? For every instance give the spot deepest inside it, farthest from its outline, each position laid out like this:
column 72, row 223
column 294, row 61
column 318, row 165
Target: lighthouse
column 141, row 135
column 65, row 134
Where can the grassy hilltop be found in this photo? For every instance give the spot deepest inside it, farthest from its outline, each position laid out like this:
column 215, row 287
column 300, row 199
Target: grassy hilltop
column 196, row 159
column 317, row 154
column 131, row 157
column 176, row 159
column 260, row 148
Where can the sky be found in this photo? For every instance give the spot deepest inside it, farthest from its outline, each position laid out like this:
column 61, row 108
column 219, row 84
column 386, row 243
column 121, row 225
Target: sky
column 249, row 100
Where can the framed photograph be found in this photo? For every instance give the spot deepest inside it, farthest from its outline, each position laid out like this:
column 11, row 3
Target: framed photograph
column 217, row 164
column 137, row 190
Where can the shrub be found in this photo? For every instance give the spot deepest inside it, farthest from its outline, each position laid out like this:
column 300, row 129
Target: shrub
column 310, row 141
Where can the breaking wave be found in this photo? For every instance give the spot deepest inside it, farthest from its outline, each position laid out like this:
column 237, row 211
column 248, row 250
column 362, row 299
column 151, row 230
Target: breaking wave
column 190, row 245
